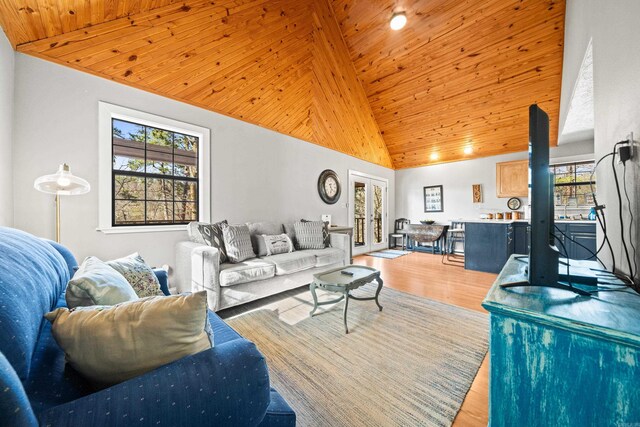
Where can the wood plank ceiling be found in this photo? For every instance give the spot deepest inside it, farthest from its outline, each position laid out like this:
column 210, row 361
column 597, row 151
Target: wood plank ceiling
column 461, row 74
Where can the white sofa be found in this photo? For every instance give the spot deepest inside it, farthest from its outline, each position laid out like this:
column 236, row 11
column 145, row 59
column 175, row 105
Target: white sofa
column 198, row 268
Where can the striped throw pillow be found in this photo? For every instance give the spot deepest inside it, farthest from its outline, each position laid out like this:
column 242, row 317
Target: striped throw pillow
column 309, row 235
column 237, row 241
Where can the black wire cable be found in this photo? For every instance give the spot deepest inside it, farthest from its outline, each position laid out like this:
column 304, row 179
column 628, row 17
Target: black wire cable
column 593, row 254
column 566, row 255
column 626, row 193
column 601, row 218
column 622, row 277
column 619, row 194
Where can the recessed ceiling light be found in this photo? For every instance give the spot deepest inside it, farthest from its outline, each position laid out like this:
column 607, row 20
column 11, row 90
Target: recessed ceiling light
column 434, row 156
column 468, row 149
column 398, row 21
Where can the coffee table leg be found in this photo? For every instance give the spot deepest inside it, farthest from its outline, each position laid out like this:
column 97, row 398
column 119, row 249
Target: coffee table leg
column 312, row 287
column 346, row 305
column 379, row 280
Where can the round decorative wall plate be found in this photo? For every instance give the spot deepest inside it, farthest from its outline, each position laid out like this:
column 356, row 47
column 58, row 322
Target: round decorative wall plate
column 514, row 203
column 329, row 187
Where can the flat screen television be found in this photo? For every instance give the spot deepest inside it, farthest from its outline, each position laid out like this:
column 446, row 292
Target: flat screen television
column 544, row 263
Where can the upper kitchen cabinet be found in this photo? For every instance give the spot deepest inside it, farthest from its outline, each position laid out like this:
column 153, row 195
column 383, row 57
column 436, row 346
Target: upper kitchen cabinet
column 512, row 179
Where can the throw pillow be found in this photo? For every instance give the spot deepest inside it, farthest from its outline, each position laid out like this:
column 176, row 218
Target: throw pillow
column 109, row 345
column 309, row 234
column 257, row 229
column 208, row 234
column 96, row 283
column 325, row 233
column 237, row 240
column 278, row 244
column 193, row 230
column 139, row 275
column 212, row 235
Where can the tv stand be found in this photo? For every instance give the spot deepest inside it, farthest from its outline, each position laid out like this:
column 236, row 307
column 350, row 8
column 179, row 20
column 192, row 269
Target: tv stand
column 581, row 273
column 556, row 286
column 546, row 345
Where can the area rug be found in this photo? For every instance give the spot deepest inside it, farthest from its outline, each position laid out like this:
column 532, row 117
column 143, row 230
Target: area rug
column 409, row 365
column 388, row 253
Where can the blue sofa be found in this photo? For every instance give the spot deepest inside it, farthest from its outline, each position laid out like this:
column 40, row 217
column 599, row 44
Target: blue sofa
column 226, row 385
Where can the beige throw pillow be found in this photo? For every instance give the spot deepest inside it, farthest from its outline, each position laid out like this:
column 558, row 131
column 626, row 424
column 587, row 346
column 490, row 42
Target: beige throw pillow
column 111, row 344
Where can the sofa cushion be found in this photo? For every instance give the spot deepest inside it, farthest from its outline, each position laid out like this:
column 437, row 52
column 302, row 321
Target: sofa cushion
column 97, row 283
column 325, row 232
column 291, row 262
column 139, row 275
column 257, row 229
column 212, row 235
column 111, row 344
column 246, row 271
column 309, row 234
column 326, row 256
column 279, row 244
column 237, row 241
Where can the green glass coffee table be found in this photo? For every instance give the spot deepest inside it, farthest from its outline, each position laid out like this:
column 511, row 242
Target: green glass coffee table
column 335, row 281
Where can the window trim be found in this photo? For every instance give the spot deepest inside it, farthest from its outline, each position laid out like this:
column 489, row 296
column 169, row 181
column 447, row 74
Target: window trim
column 107, row 112
column 571, row 184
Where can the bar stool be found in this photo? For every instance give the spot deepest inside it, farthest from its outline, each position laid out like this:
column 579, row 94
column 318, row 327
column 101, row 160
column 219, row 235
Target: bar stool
column 398, row 233
column 455, row 242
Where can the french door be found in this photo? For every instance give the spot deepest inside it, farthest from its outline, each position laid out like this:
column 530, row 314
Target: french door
column 367, row 212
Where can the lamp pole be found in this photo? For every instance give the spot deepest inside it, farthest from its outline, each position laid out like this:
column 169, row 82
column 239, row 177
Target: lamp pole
column 61, row 183
column 58, row 218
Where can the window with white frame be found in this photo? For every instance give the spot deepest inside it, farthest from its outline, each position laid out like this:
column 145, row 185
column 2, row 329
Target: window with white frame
column 153, row 171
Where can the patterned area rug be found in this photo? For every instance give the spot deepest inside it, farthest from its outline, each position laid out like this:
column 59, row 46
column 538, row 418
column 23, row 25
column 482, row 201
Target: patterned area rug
column 409, row 365
column 388, row 253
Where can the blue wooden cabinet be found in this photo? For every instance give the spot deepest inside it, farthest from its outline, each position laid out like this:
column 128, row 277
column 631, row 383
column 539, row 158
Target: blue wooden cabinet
column 557, row 359
column 487, row 245
column 521, row 237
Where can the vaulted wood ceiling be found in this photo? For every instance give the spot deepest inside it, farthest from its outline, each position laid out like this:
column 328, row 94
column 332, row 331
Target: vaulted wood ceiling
column 461, row 73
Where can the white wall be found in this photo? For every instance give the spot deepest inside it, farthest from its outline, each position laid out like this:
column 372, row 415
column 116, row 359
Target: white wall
column 457, row 179
column 577, row 36
column 616, row 61
column 257, row 174
column 7, row 60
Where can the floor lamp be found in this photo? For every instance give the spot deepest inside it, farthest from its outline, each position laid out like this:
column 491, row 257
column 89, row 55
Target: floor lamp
column 61, row 183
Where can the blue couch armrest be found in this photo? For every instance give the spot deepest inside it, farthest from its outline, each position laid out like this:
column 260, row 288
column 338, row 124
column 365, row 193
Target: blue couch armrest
column 163, row 278
column 279, row 413
column 227, row 385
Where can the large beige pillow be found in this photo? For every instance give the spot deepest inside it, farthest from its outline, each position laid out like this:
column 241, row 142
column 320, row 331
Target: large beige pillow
column 111, row 344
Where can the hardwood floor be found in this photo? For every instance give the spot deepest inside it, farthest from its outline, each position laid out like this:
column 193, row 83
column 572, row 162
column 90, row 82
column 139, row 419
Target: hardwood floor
column 425, row 275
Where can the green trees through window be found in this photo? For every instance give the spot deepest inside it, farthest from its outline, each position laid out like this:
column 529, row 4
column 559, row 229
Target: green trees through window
column 573, row 184
column 155, row 175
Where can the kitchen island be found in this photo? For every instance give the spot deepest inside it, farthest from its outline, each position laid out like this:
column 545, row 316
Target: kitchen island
column 489, row 242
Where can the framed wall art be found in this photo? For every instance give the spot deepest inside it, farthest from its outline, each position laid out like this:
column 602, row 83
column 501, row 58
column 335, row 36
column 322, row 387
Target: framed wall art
column 477, row 193
column 433, row 199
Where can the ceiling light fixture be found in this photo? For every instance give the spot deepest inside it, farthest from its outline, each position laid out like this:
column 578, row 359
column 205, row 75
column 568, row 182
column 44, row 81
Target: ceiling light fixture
column 434, row 156
column 398, row 21
column 468, row 149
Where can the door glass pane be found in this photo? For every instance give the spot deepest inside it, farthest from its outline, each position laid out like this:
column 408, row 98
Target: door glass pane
column 359, row 212
column 377, row 214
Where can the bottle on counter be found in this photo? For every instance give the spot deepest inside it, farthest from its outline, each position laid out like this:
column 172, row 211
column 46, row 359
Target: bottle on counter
column 592, row 214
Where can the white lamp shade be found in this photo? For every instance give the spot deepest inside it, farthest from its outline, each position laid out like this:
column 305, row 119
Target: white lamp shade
column 63, row 183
